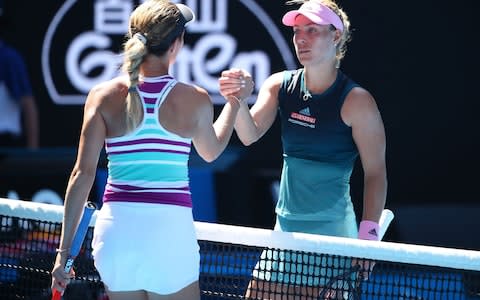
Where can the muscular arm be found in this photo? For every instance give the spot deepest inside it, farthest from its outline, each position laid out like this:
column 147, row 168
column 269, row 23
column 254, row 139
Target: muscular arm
column 210, row 140
column 361, row 113
column 252, row 124
column 91, row 142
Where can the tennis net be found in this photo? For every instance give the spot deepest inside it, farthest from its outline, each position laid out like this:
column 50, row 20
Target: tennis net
column 246, row 263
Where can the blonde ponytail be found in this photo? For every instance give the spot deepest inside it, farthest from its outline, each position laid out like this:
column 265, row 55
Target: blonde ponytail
column 134, row 53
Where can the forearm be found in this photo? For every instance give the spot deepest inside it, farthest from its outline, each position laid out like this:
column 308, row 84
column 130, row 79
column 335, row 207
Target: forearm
column 224, row 125
column 245, row 126
column 76, row 195
column 374, row 197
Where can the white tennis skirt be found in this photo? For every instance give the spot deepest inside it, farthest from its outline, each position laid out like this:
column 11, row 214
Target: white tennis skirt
column 144, row 246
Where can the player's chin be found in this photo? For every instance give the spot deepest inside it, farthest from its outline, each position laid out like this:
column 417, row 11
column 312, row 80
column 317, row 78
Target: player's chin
column 304, row 58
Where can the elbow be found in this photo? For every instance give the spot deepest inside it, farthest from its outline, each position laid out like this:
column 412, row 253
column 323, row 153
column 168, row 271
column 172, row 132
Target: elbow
column 248, row 141
column 210, row 157
column 80, row 175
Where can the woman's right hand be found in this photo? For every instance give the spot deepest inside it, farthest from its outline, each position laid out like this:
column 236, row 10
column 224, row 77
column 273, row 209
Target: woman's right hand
column 236, row 83
column 60, row 279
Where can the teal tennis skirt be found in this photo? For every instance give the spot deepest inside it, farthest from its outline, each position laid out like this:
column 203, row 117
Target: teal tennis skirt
column 301, row 268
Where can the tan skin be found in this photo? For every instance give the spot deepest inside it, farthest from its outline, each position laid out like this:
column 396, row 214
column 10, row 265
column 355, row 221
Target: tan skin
column 315, row 46
column 187, row 111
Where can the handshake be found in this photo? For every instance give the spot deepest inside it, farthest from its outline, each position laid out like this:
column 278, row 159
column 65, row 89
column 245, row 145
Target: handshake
column 236, row 84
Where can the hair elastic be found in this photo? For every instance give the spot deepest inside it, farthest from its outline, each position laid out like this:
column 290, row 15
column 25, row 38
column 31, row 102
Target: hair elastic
column 141, row 37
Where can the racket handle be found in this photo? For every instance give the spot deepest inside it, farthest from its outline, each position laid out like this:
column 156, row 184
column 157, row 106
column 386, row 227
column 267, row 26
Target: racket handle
column 78, row 238
column 56, row 295
column 370, row 230
column 82, row 229
column 385, row 220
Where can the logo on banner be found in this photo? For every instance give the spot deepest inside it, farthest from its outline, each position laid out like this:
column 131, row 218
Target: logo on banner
column 89, row 52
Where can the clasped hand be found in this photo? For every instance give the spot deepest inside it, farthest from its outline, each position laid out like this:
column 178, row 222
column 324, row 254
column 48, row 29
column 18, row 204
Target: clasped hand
column 236, row 83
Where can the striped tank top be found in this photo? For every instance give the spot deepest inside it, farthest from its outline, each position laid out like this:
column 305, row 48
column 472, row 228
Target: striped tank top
column 149, row 164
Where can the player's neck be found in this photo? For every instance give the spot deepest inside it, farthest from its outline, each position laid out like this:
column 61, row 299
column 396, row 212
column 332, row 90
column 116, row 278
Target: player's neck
column 154, row 66
column 318, row 81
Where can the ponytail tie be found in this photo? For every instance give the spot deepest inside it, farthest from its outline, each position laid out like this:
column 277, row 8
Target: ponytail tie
column 140, row 37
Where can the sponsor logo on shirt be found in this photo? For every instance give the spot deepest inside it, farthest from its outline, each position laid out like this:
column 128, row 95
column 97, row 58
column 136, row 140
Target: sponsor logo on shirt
column 303, row 118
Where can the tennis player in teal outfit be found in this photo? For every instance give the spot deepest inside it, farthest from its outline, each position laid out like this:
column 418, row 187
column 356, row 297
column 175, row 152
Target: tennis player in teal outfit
column 327, row 122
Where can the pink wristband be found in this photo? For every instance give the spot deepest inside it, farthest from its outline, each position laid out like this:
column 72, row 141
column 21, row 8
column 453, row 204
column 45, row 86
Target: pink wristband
column 369, row 230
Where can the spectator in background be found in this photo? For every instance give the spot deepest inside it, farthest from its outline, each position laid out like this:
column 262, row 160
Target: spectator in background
column 18, row 110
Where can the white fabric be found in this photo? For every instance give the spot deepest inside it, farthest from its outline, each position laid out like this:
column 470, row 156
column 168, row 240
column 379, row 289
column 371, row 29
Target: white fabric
column 144, row 246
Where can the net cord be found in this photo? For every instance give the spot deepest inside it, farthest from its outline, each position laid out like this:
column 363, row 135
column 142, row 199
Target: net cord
column 259, row 237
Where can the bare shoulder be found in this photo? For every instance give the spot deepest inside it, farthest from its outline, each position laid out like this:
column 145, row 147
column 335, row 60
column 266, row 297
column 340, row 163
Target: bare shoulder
column 191, row 102
column 274, row 81
column 268, row 94
column 359, row 96
column 191, row 89
column 108, row 91
column 359, row 103
column 191, row 94
column 185, row 107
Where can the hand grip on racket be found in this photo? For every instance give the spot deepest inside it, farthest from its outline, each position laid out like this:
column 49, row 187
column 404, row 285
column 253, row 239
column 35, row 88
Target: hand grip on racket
column 385, row 219
column 77, row 242
column 344, row 280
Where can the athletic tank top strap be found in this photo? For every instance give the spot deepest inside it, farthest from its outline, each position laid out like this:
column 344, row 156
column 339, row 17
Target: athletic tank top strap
column 319, row 150
column 150, row 164
column 313, row 128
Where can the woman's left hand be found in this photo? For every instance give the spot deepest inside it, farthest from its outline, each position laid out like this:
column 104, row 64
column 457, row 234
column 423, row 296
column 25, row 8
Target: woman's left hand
column 237, row 83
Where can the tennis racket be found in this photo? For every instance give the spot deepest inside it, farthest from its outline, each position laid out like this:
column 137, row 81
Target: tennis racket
column 384, row 222
column 77, row 242
column 347, row 283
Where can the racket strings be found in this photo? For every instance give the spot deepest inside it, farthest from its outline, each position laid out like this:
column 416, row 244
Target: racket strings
column 344, row 286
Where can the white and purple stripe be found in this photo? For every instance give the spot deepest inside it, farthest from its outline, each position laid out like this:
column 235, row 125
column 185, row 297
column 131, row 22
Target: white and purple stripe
column 150, row 164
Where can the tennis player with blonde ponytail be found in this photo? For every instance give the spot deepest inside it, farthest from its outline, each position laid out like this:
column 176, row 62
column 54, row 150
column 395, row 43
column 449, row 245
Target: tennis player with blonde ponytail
column 144, row 243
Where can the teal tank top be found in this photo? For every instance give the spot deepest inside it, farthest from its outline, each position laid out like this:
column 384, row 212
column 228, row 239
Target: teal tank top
column 318, row 151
